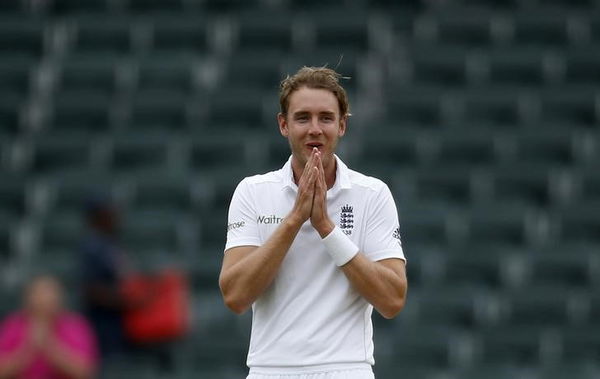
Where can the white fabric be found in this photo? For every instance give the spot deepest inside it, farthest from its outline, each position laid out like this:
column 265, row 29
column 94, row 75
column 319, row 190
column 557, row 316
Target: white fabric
column 339, row 247
column 318, row 372
column 310, row 315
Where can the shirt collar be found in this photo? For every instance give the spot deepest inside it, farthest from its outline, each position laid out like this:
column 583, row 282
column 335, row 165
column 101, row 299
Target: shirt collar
column 342, row 177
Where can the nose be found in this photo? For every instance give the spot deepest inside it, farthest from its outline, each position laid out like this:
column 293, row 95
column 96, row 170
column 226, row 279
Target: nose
column 315, row 128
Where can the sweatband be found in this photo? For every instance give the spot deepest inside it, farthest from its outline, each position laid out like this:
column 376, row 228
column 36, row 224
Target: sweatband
column 340, row 247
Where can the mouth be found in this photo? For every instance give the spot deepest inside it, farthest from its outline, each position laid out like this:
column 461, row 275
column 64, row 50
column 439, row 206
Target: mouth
column 312, row 145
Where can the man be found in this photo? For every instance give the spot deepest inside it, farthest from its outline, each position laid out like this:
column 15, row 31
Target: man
column 313, row 247
column 102, row 268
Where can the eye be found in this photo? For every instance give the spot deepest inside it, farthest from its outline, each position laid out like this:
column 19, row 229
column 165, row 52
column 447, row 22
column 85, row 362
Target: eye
column 327, row 118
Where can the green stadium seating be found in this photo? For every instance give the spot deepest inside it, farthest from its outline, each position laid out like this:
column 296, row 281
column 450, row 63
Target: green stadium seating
column 589, row 186
column 415, row 105
column 181, row 34
column 575, row 107
column 343, row 32
column 156, row 6
column 581, row 344
column 15, row 73
column 524, row 187
column 76, row 111
column 579, row 223
column 149, row 237
column 158, row 109
column 581, row 67
column 453, row 307
column 517, row 67
column 450, row 187
column 254, row 68
column 60, row 153
column 139, row 154
column 422, row 346
column 214, row 153
column 154, row 193
column 58, row 243
column 497, row 224
column 474, row 149
column 569, row 268
column 237, row 107
column 21, row 35
column 166, row 72
column 102, row 34
column 260, row 32
column 439, row 66
column 547, row 29
column 13, row 189
column 551, row 149
column 10, row 113
column 474, row 263
column 89, row 72
column 491, row 107
column 574, row 371
column 463, row 27
column 543, row 305
column 423, row 224
column 509, row 345
column 495, row 371
column 76, row 6
column 70, row 191
column 481, row 116
column 6, row 229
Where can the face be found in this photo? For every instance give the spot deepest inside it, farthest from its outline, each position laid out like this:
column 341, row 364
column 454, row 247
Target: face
column 44, row 297
column 313, row 120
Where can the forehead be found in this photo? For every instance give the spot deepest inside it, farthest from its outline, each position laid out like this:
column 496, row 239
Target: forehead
column 44, row 284
column 313, row 100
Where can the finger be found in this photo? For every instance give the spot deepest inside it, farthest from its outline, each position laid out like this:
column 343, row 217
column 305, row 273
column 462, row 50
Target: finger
column 309, row 163
column 314, row 175
column 321, row 169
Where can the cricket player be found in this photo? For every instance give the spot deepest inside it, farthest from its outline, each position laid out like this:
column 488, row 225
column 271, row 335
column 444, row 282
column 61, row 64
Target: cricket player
column 313, row 247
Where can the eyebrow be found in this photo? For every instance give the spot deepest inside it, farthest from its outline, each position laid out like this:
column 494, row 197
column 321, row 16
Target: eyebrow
column 322, row 113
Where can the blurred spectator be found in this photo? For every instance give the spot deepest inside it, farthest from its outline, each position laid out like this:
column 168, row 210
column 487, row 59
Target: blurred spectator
column 105, row 271
column 102, row 270
column 43, row 340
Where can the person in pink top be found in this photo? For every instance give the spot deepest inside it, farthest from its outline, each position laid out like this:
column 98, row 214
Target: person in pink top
column 45, row 341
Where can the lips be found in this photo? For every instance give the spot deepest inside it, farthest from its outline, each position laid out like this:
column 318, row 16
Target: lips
column 310, row 145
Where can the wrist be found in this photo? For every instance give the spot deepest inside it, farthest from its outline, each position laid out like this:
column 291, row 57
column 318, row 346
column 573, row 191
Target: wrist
column 294, row 220
column 340, row 247
column 325, row 228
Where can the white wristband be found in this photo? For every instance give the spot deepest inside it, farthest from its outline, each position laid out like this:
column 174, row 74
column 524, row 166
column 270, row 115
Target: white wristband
column 340, row 247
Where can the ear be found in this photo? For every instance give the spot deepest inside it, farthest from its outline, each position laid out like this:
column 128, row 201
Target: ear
column 343, row 125
column 283, row 126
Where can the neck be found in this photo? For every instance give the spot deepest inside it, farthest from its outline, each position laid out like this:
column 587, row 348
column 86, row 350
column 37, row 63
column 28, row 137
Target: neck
column 329, row 167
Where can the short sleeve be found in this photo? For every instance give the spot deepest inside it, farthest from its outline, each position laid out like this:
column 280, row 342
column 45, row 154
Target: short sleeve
column 77, row 336
column 11, row 335
column 382, row 233
column 242, row 227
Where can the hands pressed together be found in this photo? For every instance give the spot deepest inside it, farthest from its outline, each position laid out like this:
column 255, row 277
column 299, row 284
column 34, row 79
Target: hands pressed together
column 311, row 201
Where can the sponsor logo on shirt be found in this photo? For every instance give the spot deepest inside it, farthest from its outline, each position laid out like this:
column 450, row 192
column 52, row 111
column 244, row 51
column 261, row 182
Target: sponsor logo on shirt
column 396, row 234
column 347, row 219
column 272, row 219
column 235, row 225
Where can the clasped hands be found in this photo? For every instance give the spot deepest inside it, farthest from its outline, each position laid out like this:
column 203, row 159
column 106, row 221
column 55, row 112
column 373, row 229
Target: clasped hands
column 311, row 201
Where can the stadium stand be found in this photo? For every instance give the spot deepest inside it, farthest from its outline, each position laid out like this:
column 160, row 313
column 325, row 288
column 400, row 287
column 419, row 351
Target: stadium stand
column 482, row 116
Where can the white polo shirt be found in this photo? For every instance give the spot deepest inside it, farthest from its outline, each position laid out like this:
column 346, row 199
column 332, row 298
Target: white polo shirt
column 310, row 315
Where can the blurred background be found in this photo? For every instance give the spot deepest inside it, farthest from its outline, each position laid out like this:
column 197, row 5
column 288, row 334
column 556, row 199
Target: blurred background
column 482, row 116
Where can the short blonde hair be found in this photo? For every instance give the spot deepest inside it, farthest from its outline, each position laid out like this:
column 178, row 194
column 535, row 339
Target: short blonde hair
column 318, row 78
